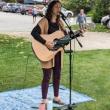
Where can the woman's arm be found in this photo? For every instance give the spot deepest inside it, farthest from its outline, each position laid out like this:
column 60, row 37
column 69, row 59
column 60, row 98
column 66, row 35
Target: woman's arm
column 40, row 29
column 36, row 34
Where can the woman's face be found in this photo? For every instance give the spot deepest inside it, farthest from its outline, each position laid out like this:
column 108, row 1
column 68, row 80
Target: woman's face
column 56, row 9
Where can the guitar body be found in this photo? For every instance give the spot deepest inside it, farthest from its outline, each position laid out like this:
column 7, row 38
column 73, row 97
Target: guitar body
column 41, row 51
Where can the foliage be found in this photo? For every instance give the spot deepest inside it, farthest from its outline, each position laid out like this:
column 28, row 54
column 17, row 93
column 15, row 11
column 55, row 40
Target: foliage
column 101, row 9
column 97, row 8
column 10, row 1
column 76, row 5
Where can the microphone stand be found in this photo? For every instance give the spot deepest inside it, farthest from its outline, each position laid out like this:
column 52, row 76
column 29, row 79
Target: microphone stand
column 70, row 105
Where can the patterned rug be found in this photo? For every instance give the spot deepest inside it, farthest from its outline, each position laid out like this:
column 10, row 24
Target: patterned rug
column 29, row 99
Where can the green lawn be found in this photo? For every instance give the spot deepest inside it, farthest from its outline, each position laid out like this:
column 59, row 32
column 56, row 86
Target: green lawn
column 91, row 71
column 98, row 28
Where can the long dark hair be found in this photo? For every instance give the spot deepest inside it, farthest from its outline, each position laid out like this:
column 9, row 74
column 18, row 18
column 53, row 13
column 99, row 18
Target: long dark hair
column 48, row 14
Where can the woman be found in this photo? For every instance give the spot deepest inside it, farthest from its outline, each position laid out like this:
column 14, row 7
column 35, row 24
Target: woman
column 47, row 25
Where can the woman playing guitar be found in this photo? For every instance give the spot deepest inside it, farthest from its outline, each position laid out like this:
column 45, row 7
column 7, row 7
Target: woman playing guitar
column 50, row 25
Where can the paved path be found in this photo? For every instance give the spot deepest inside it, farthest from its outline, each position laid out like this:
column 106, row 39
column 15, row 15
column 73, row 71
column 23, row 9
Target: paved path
column 90, row 41
column 12, row 22
column 93, row 41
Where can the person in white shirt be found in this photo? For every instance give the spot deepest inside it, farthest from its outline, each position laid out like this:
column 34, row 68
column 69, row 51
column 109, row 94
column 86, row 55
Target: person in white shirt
column 34, row 14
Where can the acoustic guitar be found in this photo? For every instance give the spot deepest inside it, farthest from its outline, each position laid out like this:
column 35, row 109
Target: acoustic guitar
column 41, row 51
column 59, row 39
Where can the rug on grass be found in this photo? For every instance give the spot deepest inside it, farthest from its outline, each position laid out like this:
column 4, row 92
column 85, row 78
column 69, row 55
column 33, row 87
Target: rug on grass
column 29, row 99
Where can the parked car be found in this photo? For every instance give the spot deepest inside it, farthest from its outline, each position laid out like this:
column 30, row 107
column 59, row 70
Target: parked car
column 2, row 4
column 106, row 21
column 26, row 9
column 30, row 11
column 23, row 9
column 66, row 12
column 7, row 7
column 16, row 8
column 108, row 24
column 38, row 8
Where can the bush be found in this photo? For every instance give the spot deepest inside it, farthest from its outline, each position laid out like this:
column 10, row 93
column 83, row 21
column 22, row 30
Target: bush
column 90, row 13
column 76, row 5
column 101, row 9
column 10, row 1
column 97, row 17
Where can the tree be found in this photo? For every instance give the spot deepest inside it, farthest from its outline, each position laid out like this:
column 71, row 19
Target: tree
column 101, row 9
column 76, row 5
column 10, row 1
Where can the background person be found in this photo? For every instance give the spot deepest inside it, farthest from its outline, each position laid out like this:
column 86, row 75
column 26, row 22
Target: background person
column 81, row 19
column 34, row 14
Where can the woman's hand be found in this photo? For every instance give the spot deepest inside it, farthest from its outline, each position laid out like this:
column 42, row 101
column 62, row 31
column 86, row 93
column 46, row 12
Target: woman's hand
column 49, row 44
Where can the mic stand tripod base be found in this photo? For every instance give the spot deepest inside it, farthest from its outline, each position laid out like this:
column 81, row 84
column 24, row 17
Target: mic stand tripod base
column 68, row 107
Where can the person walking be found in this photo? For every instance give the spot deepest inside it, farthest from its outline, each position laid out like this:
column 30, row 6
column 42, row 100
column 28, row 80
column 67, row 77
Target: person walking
column 81, row 19
column 34, row 14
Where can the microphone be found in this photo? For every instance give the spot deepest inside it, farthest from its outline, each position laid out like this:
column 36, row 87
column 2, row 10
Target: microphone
column 63, row 16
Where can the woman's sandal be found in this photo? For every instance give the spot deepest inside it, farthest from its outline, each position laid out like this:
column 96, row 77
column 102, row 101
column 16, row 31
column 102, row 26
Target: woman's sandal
column 43, row 105
column 58, row 102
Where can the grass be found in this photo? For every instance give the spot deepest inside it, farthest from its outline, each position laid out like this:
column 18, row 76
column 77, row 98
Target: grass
column 13, row 57
column 91, row 71
column 98, row 28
